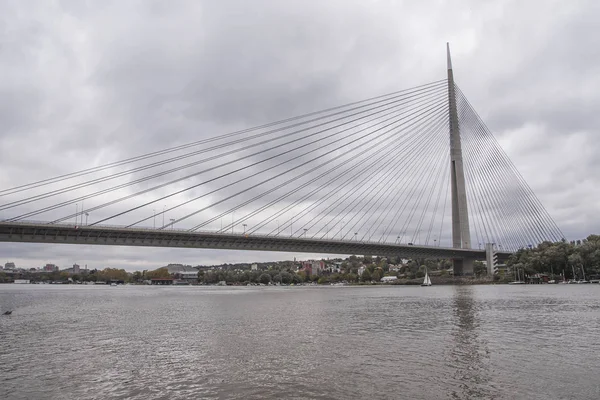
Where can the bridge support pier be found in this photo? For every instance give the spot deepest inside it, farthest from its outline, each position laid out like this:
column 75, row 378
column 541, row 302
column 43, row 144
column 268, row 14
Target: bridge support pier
column 491, row 259
column 463, row 267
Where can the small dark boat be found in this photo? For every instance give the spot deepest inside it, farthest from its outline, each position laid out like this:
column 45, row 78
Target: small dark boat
column 7, row 312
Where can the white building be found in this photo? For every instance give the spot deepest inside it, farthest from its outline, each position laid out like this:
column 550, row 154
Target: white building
column 254, row 267
column 389, row 279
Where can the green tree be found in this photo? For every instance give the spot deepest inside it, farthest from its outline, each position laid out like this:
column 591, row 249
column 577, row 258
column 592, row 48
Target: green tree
column 377, row 275
column 420, row 273
column 479, row 269
column 210, row 277
column 366, row 276
column 296, row 279
column 244, row 276
column 323, row 280
column 286, row 278
column 158, row 273
column 302, row 275
column 136, row 276
column 265, row 278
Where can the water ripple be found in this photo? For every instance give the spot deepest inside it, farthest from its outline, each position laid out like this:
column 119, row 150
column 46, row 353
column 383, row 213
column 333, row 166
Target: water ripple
column 492, row 342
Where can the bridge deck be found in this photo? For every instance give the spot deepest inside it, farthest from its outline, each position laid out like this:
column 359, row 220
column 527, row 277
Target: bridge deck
column 120, row 236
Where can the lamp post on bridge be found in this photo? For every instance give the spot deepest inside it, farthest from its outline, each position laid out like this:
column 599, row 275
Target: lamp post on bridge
column 163, row 216
column 400, row 237
column 305, row 230
column 355, row 234
column 86, row 217
column 153, row 218
column 172, row 223
column 245, row 228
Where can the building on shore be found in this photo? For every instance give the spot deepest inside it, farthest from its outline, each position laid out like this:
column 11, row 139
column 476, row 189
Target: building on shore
column 50, row 268
column 334, row 267
column 10, row 266
column 162, row 281
column 395, row 268
column 183, row 272
column 313, row 267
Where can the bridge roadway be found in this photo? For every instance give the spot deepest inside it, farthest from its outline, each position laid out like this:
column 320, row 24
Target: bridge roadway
column 36, row 232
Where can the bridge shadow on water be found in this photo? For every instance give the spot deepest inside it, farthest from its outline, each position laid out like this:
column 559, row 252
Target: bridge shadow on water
column 468, row 354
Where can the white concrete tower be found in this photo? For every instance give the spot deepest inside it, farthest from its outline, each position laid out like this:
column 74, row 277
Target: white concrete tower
column 461, row 236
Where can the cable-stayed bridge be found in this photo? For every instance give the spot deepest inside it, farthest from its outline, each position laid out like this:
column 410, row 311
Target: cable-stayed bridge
column 414, row 173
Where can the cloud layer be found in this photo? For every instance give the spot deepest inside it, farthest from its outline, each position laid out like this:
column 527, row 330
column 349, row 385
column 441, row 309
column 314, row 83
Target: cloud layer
column 90, row 83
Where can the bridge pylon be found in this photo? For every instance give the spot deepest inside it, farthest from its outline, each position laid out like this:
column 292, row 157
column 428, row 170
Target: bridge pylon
column 461, row 236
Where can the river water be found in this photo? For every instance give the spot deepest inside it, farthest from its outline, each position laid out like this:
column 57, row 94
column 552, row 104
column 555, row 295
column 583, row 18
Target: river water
column 444, row 342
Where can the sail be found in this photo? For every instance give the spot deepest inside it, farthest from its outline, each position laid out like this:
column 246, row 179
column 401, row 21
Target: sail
column 426, row 281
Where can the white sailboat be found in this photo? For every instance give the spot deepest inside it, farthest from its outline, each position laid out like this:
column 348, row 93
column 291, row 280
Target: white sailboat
column 426, row 281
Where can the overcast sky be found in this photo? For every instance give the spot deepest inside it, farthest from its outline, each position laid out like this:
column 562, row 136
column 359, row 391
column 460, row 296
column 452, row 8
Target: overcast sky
column 84, row 83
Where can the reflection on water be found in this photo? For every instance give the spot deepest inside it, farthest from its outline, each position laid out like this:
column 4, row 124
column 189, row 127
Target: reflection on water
column 468, row 355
